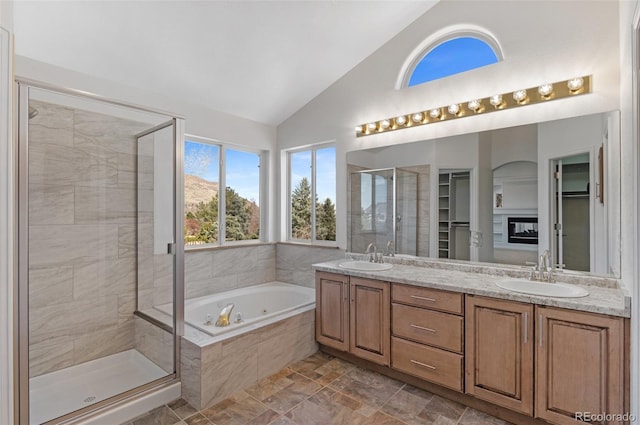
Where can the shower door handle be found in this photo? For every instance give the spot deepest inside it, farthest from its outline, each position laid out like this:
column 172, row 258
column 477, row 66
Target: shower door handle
column 171, row 248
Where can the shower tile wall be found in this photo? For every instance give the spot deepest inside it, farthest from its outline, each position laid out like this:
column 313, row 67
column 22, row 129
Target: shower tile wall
column 82, row 259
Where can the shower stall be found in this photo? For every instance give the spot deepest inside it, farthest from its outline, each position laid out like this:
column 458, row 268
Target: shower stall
column 99, row 246
column 383, row 209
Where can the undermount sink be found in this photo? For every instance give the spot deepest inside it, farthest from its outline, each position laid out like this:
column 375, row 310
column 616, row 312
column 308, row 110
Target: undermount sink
column 365, row 266
column 559, row 290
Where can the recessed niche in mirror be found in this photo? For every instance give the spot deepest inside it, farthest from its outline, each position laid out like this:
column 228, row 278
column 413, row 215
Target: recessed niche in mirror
column 501, row 196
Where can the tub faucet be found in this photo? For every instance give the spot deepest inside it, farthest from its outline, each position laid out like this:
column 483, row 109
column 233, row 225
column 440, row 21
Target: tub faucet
column 223, row 317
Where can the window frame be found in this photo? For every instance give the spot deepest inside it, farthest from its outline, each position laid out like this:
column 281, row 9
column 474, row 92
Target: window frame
column 289, row 221
column 222, row 184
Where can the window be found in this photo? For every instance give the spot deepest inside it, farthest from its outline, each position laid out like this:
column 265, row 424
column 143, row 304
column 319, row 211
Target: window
column 312, row 176
column 208, row 167
column 451, row 57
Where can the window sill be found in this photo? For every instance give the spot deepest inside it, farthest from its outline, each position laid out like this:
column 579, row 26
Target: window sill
column 211, row 247
column 310, row 244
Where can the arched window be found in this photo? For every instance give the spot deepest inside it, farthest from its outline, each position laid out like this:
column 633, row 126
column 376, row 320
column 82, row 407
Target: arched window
column 455, row 55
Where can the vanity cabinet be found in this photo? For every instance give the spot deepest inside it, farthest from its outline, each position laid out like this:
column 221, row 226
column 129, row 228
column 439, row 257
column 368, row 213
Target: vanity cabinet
column 579, row 364
column 352, row 315
column 332, row 310
column 428, row 334
column 499, row 352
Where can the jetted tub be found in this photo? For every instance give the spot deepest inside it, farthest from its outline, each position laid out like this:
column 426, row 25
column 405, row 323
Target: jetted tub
column 277, row 328
column 254, row 307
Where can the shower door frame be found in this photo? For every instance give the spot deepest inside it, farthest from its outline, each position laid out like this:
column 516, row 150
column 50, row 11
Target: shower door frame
column 21, row 260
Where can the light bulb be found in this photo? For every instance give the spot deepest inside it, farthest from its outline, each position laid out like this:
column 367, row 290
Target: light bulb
column 520, row 96
column 545, row 90
column 454, row 109
column 434, row 113
column 359, row 129
column 401, row 120
column 371, row 126
column 496, row 100
column 417, row 117
column 474, row 105
column 384, row 124
column 575, row 84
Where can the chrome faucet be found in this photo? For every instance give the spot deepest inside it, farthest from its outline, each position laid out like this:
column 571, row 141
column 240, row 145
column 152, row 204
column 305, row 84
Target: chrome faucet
column 373, row 258
column 543, row 271
column 223, row 317
column 389, row 251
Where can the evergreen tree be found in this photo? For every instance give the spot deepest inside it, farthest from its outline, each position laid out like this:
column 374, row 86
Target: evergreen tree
column 301, row 210
column 326, row 221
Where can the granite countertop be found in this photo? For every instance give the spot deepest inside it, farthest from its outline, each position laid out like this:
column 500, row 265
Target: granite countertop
column 613, row 301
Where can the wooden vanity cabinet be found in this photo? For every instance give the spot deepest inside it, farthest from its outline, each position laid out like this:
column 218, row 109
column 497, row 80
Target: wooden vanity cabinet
column 352, row 315
column 369, row 319
column 579, row 365
column 499, row 352
column 427, row 334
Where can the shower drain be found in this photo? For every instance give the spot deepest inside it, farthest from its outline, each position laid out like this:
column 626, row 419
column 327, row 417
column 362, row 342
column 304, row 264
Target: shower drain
column 89, row 399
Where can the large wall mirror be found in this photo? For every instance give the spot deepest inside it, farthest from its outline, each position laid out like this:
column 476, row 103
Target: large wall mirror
column 501, row 196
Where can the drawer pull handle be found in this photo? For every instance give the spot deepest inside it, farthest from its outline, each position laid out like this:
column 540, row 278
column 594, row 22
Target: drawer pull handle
column 433, row 300
column 428, row 366
column 423, row 328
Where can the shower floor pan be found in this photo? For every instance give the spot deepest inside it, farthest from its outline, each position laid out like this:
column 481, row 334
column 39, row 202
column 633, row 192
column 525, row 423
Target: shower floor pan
column 67, row 390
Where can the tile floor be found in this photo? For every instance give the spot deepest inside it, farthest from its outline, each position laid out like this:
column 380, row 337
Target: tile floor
column 323, row 390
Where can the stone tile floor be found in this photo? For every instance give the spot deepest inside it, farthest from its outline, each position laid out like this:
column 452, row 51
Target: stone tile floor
column 323, row 390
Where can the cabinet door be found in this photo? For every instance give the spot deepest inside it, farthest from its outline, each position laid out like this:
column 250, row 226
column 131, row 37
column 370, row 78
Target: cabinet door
column 499, row 352
column 370, row 334
column 332, row 310
column 579, row 364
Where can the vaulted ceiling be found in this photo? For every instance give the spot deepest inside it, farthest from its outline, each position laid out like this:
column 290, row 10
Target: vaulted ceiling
column 260, row 60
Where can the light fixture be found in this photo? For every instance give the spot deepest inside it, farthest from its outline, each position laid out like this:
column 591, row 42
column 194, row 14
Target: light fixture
column 545, row 91
column 520, row 96
column 475, row 105
column 506, row 100
column 496, row 101
column 575, row 85
column 454, row 109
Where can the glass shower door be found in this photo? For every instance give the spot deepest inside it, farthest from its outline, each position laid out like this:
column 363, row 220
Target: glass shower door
column 89, row 192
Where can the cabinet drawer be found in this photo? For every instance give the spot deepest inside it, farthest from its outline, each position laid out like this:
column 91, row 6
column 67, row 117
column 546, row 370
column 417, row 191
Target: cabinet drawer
column 451, row 302
column 428, row 363
column 428, row 327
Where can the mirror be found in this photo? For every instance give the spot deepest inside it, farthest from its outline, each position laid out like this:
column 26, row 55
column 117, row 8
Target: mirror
column 500, row 196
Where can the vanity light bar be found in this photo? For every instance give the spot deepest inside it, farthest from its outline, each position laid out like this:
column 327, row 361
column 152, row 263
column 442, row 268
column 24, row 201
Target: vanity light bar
column 543, row 93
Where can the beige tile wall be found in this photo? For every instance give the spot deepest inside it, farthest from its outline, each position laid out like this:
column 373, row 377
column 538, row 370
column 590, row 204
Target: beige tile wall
column 82, row 266
column 212, row 373
column 211, row 271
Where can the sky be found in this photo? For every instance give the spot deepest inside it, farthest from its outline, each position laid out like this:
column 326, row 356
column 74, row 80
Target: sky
column 452, row 57
column 243, row 172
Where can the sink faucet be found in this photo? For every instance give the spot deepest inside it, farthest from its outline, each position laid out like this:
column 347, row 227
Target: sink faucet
column 543, row 271
column 223, row 317
column 372, row 251
column 389, row 251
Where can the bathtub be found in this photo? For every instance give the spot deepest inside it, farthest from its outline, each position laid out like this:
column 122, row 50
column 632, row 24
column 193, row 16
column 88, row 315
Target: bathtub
column 277, row 328
column 254, row 306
